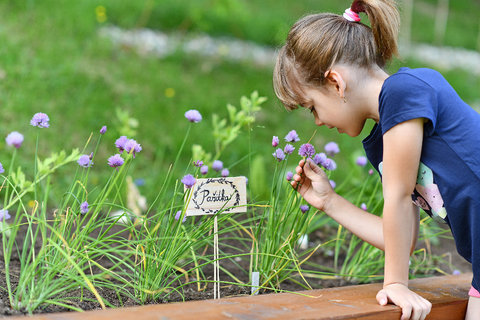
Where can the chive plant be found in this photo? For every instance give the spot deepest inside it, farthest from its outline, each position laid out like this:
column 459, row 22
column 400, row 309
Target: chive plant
column 59, row 251
column 275, row 252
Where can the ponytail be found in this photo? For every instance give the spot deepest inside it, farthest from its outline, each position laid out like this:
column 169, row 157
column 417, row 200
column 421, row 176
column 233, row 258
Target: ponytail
column 385, row 23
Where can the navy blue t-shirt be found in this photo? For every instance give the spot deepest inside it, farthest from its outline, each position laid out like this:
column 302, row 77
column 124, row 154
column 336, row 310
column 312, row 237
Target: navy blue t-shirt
column 448, row 183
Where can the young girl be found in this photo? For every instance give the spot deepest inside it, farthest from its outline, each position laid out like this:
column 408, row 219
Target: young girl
column 424, row 143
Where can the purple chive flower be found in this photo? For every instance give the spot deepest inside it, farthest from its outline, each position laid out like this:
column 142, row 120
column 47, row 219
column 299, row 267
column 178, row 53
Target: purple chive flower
column 198, row 163
column 456, row 272
column 289, row 176
column 304, row 208
column 332, row 149
column 15, row 139
column 1, row 168
column 370, row 172
column 320, row 158
column 225, row 173
column 103, row 130
column 333, row 184
column 217, row 165
column 279, row 155
column 85, row 161
column 115, row 161
column 4, row 215
column 306, row 150
column 131, row 146
column 84, row 207
column 193, row 116
column 363, row 206
column 189, row 181
column 179, row 214
column 275, row 141
column 330, row 164
column 288, row 149
column 40, row 120
column 361, row 161
column 204, row 169
column 120, row 143
column 292, row 136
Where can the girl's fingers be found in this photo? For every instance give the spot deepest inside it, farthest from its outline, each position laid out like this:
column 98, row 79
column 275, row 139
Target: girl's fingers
column 296, row 180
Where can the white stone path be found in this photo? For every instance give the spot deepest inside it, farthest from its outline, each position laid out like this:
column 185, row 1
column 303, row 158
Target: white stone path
column 161, row 44
column 150, row 42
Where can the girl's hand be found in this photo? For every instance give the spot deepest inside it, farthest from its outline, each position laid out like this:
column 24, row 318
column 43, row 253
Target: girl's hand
column 414, row 307
column 312, row 183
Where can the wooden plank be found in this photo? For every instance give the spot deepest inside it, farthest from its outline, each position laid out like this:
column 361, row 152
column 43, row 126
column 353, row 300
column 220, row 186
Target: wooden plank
column 448, row 295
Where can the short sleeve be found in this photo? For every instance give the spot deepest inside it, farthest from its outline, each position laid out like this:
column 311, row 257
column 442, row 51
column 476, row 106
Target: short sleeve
column 405, row 97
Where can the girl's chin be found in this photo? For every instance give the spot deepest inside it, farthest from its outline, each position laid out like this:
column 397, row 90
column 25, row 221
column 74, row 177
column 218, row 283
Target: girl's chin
column 349, row 133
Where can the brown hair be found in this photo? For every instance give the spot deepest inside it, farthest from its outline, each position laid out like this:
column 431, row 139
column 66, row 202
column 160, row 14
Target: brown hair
column 318, row 41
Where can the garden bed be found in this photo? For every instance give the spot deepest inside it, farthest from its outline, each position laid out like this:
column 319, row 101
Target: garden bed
column 446, row 293
column 191, row 292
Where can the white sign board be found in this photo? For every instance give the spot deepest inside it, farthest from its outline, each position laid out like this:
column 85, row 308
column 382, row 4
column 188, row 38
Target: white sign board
column 212, row 195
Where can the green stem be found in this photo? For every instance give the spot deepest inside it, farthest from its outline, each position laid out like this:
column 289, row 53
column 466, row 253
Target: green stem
column 35, row 166
column 10, row 170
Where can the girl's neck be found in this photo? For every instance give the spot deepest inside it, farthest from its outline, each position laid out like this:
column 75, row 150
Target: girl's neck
column 375, row 87
column 367, row 88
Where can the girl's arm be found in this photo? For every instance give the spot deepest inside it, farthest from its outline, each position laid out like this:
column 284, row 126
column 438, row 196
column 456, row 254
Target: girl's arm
column 312, row 183
column 364, row 225
column 402, row 147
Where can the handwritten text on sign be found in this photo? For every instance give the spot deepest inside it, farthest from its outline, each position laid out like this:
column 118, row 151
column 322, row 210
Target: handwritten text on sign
column 212, row 195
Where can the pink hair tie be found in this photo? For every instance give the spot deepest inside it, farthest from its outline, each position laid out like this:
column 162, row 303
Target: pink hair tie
column 351, row 15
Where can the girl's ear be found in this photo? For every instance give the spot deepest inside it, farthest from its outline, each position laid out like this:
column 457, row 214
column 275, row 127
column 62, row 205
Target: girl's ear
column 336, row 82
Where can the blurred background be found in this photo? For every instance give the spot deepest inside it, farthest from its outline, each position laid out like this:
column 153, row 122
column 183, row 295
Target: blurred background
column 136, row 66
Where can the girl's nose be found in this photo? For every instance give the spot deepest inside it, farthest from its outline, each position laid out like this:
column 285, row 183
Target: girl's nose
column 318, row 122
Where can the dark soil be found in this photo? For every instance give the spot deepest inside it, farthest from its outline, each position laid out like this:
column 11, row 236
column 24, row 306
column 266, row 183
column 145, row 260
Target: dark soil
column 322, row 257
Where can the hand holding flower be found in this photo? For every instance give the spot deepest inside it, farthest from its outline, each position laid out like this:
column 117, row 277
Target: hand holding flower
column 312, row 183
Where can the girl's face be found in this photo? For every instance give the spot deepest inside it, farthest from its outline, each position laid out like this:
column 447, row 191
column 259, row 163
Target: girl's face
column 330, row 110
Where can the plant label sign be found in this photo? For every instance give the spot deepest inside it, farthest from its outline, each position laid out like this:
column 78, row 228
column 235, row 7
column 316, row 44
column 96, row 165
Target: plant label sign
column 212, row 195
